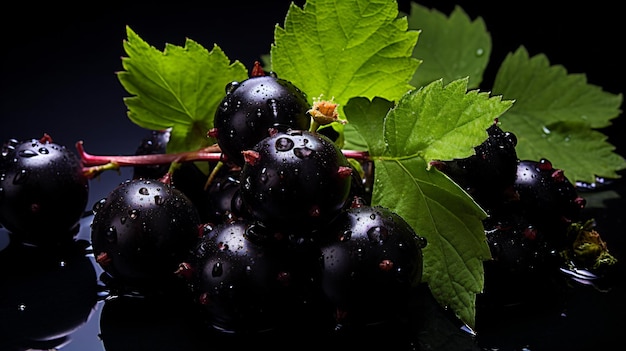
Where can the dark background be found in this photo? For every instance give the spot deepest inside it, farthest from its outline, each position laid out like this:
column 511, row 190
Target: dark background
column 59, row 63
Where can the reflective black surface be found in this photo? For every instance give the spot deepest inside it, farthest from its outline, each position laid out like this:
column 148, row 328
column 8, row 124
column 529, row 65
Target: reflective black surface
column 55, row 299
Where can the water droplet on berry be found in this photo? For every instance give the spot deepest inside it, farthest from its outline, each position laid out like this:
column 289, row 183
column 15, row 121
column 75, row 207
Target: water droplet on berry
column 230, row 87
column 43, row 151
column 377, row 234
column 217, row 270
column 27, row 153
column 480, row 52
column 21, row 177
column 545, row 165
column 98, row 205
column 346, row 235
column 144, row 191
column 111, row 235
column 134, row 214
column 303, row 152
column 422, row 242
column 284, row 144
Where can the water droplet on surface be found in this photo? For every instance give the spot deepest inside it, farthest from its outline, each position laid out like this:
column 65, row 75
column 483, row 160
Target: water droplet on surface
column 144, row 191
column 480, row 52
column 43, row 151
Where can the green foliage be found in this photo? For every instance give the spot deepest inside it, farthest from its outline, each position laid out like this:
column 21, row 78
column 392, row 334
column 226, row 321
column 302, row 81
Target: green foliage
column 451, row 47
column 556, row 115
column 179, row 88
column 441, row 123
column 365, row 57
column 435, row 122
column 342, row 49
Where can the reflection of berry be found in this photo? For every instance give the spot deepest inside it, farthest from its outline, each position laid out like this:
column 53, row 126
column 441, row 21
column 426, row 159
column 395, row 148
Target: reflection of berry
column 252, row 107
column 43, row 190
column 142, row 231
column 45, row 295
column 295, row 179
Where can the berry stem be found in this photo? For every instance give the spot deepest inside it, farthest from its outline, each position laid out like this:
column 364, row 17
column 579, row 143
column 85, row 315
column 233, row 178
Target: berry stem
column 357, row 155
column 209, row 153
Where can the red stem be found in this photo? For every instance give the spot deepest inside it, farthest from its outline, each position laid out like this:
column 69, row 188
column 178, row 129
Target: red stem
column 357, row 155
column 209, row 153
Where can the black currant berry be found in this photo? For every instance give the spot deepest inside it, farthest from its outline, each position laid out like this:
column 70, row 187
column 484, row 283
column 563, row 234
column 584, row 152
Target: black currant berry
column 142, row 231
column 43, row 190
column 239, row 278
column 372, row 261
column 224, row 197
column 154, row 143
column 295, row 179
column 546, row 196
column 488, row 173
column 516, row 245
column 253, row 106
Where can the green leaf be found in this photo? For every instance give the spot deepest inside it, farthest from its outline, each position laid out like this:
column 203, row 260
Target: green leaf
column 434, row 122
column 344, row 49
column 368, row 130
column 179, row 88
column 555, row 116
column 447, row 218
column 439, row 123
column 451, row 47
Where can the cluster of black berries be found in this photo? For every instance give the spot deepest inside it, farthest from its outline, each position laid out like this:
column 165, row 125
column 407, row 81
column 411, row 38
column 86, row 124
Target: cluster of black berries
column 282, row 237
column 533, row 212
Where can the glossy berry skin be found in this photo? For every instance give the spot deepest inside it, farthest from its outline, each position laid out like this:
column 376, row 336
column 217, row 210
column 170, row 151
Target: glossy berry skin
column 488, row 173
column 295, row 179
column 224, row 197
column 142, row 231
column 372, row 260
column 155, row 142
column 546, row 196
column 239, row 278
column 253, row 106
column 43, row 191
